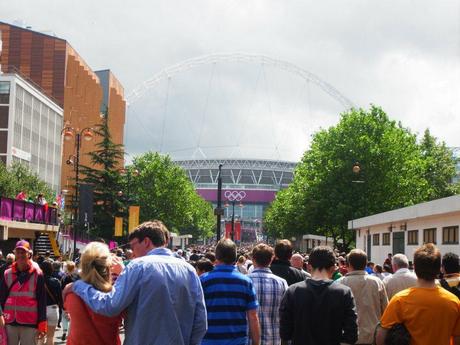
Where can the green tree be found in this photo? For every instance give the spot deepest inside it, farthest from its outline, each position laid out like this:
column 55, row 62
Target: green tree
column 164, row 192
column 18, row 177
column 104, row 176
column 439, row 167
column 326, row 193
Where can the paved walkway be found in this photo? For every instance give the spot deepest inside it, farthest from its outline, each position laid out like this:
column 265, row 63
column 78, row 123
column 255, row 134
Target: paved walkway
column 58, row 335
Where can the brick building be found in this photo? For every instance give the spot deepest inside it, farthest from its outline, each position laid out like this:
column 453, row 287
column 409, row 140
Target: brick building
column 54, row 66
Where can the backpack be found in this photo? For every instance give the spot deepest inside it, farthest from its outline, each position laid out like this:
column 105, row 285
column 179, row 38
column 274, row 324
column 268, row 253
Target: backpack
column 397, row 335
column 453, row 289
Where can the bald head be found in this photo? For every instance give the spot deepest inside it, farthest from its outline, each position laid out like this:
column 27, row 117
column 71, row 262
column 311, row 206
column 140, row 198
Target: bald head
column 297, row 261
column 399, row 261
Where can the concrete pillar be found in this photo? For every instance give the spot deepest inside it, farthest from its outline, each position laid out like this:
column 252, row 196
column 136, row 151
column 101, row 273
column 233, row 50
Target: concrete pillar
column 3, row 233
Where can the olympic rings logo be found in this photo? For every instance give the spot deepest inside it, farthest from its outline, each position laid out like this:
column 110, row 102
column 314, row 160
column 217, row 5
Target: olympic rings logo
column 235, row 195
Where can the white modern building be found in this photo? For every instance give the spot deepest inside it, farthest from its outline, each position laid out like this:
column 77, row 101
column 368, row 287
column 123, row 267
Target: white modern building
column 308, row 241
column 405, row 229
column 30, row 128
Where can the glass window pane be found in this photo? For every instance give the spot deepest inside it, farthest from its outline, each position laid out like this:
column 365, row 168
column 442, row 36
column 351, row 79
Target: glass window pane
column 3, row 141
column 4, row 116
column 4, row 92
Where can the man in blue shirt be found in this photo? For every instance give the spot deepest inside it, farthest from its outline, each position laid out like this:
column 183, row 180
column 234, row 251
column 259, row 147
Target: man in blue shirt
column 161, row 294
column 230, row 301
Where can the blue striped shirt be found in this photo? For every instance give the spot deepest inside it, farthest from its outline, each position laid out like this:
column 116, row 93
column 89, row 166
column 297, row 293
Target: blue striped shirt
column 228, row 295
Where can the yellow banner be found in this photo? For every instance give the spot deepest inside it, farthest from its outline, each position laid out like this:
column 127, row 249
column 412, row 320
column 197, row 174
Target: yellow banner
column 133, row 218
column 118, row 226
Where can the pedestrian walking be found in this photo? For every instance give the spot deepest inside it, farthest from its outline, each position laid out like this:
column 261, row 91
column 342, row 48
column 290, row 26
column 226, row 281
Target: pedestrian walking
column 162, row 294
column 230, row 301
column 269, row 291
column 317, row 310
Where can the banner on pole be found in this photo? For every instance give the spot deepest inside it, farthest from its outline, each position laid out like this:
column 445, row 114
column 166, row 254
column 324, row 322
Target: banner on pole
column 118, row 226
column 133, row 218
column 228, row 230
column 237, row 235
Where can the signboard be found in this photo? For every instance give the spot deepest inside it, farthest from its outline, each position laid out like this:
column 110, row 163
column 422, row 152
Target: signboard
column 21, row 154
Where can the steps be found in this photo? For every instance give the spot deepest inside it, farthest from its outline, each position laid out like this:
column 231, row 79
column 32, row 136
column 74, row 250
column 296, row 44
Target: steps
column 46, row 241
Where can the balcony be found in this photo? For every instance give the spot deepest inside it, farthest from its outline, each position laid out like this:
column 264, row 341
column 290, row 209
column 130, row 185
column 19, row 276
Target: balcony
column 21, row 219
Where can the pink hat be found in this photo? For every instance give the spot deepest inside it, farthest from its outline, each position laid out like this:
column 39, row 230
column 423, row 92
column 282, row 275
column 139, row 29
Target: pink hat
column 23, row 244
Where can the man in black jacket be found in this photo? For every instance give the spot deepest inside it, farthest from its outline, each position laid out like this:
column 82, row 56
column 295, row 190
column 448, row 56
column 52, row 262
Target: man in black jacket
column 316, row 311
column 281, row 266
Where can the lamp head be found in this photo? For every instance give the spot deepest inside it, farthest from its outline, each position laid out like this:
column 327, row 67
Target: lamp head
column 356, row 168
column 88, row 135
column 68, row 134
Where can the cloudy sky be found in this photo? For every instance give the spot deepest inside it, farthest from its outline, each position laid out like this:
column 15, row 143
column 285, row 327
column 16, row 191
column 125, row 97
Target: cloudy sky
column 402, row 55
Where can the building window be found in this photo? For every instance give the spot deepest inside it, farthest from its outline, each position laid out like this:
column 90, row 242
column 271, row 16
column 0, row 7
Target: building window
column 376, row 239
column 429, row 235
column 412, row 237
column 386, row 239
column 450, row 235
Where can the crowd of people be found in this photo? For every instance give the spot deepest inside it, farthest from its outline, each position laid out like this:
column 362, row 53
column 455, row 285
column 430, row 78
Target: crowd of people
column 223, row 294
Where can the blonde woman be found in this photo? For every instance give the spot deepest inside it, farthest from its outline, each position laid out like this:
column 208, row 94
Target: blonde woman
column 240, row 265
column 89, row 328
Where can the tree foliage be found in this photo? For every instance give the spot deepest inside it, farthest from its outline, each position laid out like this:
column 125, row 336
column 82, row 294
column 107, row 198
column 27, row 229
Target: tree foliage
column 18, row 177
column 164, row 192
column 104, row 175
column 395, row 171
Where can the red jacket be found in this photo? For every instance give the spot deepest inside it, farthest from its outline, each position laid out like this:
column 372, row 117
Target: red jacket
column 89, row 328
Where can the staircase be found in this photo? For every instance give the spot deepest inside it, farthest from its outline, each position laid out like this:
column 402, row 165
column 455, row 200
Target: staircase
column 46, row 241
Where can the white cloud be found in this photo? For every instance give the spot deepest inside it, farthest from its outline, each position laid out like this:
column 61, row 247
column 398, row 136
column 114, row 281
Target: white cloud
column 401, row 54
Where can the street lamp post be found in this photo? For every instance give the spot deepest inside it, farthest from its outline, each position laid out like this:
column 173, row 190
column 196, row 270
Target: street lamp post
column 219, row 210
column 356, row 169
column 87, row 134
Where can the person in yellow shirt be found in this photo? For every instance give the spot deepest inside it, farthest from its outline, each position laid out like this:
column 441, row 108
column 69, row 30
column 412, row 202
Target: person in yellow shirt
column 430, row 313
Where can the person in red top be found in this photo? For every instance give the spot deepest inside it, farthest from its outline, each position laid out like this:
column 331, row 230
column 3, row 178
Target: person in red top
column 87, row 327
column 23, row 298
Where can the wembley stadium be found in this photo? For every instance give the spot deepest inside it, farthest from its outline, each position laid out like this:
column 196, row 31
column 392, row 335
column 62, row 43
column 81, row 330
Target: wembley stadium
column 252, row 183
column 251, row 114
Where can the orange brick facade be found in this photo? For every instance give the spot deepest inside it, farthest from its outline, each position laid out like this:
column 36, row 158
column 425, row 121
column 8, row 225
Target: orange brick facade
column 53, row 65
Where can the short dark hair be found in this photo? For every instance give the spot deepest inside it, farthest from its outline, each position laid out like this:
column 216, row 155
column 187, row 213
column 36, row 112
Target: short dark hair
column 322, row 257
column 283, row 249
column 262, row 254
column 427, row 262
column 450, row 263
column 204, row 265
column 226, row 251
column 357, row 259
column 210, row 256
column 155, row 230
column 47, row 267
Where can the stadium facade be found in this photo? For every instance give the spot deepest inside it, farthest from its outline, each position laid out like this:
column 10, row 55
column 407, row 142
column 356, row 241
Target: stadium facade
column 252, row 182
